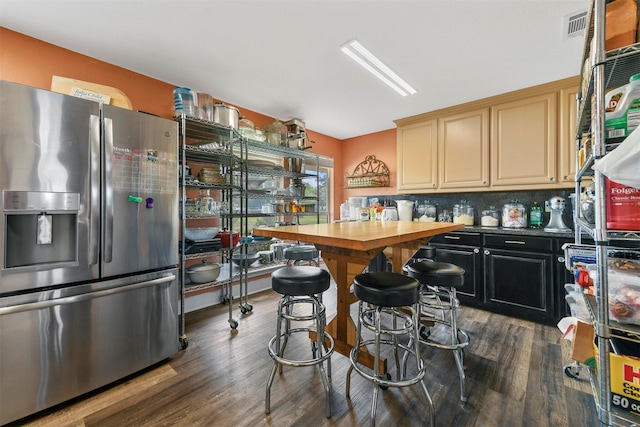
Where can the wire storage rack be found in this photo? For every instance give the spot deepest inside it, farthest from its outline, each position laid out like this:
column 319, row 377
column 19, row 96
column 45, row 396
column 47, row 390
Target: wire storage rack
column 603, row 70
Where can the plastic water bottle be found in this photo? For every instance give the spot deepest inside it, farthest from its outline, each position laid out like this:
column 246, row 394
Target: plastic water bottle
column 185, row 101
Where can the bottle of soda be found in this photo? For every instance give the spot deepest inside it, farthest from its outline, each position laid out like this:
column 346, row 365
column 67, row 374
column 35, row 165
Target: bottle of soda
column 535, row 216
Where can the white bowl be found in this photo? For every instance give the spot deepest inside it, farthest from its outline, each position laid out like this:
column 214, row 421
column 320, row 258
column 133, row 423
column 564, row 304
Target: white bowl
column 201, row 233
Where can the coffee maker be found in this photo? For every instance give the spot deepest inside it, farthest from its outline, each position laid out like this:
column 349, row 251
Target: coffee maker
column 556, row 223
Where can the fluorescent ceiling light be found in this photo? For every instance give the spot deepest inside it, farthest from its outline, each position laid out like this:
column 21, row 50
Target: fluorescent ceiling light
column 362, row 56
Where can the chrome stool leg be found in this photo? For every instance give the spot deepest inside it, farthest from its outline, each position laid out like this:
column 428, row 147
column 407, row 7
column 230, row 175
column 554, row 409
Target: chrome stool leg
column 371, row 318
column 300, row 286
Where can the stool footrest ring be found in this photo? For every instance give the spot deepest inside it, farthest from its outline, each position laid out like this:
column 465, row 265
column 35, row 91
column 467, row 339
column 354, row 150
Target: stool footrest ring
column 306, row 362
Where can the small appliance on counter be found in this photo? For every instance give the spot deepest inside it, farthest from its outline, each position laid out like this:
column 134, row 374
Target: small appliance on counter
column 556, row 223
column 389, row 213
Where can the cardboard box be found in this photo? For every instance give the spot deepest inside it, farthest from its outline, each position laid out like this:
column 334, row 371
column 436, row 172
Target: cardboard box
column 625, row 382
column 621, row 23
column 582, row 344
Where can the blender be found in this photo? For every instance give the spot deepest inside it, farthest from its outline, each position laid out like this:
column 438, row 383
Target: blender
column 556, row 223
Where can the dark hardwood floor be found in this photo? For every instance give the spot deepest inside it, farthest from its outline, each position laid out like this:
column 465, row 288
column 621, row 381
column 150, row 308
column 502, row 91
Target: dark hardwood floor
column 514, row 378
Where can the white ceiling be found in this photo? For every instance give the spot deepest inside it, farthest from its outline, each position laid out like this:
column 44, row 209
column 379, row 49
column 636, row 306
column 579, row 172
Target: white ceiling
column 282, row 58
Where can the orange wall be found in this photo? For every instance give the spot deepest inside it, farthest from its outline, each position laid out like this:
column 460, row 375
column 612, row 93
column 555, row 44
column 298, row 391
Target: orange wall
column 382, row 145
column 33, row 62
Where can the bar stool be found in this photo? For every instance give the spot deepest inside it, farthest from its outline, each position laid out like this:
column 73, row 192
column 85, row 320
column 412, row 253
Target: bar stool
column 299, row 286
column 301, row 254
column 384, row 293
column 425, row 252
column 439, row 281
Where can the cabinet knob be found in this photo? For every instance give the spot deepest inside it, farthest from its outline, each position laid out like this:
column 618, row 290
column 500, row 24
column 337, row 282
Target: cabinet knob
column 433, row 185
column 476, row 251
column 565, row 177
column 486, row 252
column 551, row 178
column 560, row 259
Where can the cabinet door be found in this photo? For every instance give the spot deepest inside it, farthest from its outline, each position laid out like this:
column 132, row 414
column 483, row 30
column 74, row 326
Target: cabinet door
column 520, row 284
column 523, row 141
column 567, row 144
column 470, row 259
column 417, row 156
column 463, row 150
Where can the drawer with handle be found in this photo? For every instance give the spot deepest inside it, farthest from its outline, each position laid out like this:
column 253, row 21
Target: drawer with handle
column 458, row 238
column 521, row 243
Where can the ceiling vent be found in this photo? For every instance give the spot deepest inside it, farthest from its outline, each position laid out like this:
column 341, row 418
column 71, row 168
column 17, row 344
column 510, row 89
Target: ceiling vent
column 574, row 24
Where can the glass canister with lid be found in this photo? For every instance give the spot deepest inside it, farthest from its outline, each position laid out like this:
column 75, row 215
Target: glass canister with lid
column 463, row 213
column 514, row 215
column 490, row 217
column 205, row 203
column 427, row 212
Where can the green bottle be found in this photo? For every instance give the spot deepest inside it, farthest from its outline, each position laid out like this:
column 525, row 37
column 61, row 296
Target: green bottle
column 535, row 216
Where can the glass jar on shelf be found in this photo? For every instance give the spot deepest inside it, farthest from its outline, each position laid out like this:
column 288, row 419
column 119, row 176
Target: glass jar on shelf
column 205, row 203
column 587, row 203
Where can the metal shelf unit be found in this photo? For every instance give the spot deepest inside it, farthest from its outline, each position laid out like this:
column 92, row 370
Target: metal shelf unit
column 607, row 70
column 207, row 143
column 279, row 154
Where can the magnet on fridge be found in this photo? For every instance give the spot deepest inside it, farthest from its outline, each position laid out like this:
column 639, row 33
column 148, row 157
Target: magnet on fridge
column 149, row 203
column 135, row 199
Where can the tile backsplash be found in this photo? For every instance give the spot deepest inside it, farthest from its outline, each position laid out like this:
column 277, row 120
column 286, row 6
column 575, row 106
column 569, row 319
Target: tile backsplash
column 482, row 201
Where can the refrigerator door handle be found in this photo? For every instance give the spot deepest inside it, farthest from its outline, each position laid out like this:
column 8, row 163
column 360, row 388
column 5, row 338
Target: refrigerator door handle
column 94, row 185
column 83, row 297
column 108, row 190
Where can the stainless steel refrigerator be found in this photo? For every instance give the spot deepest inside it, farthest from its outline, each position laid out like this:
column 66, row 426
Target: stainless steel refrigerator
column 88, row 246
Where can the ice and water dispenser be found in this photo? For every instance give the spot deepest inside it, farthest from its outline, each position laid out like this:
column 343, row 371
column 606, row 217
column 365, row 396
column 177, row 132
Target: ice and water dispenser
column 40, row 228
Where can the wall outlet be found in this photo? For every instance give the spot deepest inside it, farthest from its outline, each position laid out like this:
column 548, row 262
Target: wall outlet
column 547, row 206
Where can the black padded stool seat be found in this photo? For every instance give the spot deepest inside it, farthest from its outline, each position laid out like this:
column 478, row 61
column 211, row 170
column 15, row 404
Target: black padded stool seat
column 298, row 281
column 437, row 273
column 301, row 253
column 425, row 252
column 386, row 289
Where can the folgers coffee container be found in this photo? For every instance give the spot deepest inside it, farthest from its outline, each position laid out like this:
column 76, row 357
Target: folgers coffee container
column 623, row 206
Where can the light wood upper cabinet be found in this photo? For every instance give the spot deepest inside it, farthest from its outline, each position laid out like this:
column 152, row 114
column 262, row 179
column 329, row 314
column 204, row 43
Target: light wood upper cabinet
column 417, row 156
column 524, row 141
column 463, row 150
column 567, row 143
column 520, row 140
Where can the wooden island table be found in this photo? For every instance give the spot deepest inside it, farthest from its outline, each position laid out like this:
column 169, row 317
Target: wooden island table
column 347, row 248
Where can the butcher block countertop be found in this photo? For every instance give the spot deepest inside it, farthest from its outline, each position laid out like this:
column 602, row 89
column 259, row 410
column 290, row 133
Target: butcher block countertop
column 359, row 236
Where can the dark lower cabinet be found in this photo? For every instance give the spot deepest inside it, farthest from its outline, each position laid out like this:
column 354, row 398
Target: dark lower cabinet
column 520, row 284
column 511, row 274
column 465, row 251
